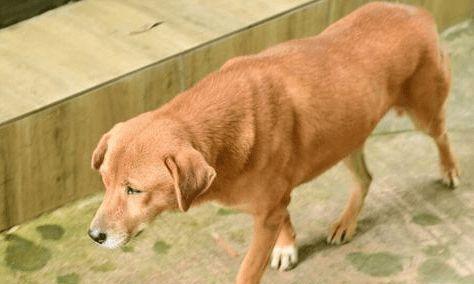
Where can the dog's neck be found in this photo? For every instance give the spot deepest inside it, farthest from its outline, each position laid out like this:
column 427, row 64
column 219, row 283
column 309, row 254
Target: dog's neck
column 214, row 122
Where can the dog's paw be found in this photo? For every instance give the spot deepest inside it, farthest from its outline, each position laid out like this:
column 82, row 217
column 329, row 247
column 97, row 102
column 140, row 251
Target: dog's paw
column 341, row 232
column 451, row 178
column 284, row 258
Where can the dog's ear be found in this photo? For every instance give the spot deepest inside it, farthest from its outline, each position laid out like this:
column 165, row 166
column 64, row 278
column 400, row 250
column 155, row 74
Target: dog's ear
column 99, row 152
column 192, row 176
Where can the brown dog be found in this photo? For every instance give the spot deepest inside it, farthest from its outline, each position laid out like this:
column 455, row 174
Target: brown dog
column 248, row 134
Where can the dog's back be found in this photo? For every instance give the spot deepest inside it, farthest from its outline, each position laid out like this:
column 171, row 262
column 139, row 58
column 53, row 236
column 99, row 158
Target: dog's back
column 324, row 95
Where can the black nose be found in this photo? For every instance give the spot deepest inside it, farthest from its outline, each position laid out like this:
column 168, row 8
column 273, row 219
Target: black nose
column 97, row 236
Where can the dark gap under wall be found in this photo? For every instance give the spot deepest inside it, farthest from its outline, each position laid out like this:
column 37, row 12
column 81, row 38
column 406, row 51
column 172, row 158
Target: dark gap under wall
column 14, row 11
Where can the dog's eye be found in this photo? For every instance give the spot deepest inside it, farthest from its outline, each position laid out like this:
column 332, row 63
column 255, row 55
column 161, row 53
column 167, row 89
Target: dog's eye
column 131, row 191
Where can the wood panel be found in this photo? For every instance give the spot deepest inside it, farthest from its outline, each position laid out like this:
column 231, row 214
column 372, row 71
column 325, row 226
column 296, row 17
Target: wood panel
column 79, row 46
column 308, row 20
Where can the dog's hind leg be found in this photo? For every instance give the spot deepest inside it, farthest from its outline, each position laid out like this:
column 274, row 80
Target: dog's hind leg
column 344, row 228
column 428, row 92
column 437, row 130
column 285, row 253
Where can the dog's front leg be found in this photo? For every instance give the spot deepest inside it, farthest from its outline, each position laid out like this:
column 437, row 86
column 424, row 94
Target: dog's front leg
column 266, row 229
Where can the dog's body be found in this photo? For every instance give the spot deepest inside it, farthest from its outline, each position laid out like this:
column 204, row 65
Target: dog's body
column 268, row 122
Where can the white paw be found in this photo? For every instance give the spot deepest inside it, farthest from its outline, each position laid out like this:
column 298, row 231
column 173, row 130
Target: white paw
column 284, row 258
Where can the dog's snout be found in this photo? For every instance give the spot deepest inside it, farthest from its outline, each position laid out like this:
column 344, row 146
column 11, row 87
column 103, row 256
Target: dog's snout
column 97, row 236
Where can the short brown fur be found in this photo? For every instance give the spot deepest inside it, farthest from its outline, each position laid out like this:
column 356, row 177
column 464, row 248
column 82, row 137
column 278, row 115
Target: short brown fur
column 249, row 133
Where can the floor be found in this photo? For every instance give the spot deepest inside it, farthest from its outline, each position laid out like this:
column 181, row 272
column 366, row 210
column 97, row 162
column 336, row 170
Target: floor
column 412, row 229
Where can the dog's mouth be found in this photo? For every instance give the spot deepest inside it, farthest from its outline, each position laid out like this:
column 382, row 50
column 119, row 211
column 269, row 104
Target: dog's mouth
column 139, row 230
column 122, row 239
column 115, row 241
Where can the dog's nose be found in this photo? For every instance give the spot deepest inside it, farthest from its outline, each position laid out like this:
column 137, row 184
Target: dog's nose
column 97, row 236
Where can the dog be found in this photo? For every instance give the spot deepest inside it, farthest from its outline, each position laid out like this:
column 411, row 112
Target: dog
column 249, row 133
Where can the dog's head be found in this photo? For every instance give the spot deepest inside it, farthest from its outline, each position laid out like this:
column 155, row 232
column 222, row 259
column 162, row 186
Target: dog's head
column 146, row 168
